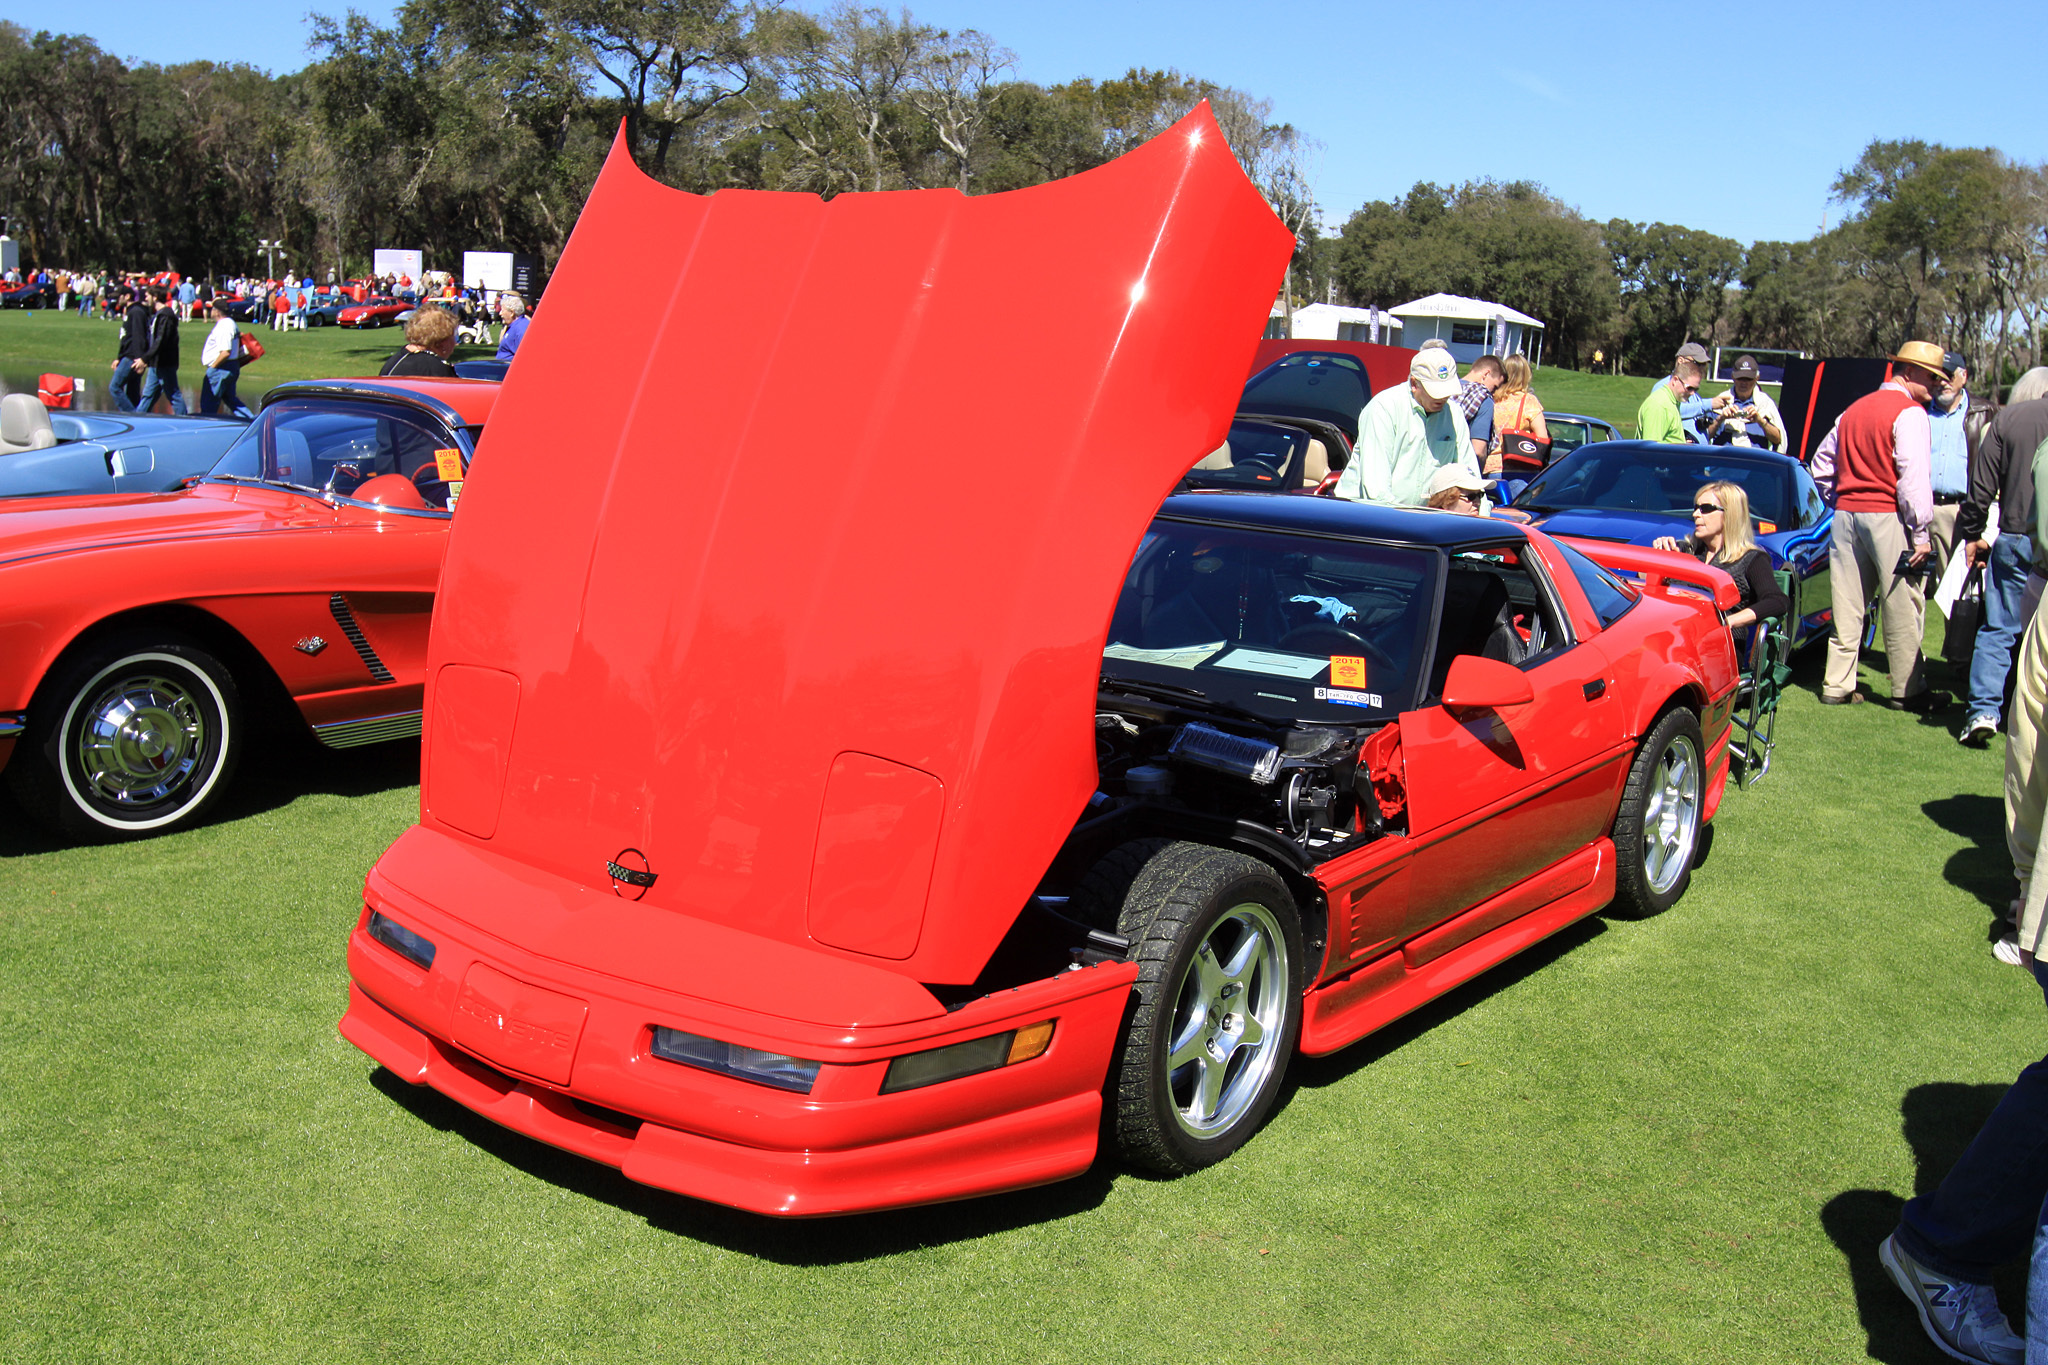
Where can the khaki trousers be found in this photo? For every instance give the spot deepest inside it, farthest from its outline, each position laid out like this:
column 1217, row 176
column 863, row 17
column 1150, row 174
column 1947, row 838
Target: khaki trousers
column 1941, row 533
column 2026, row 774
column 1866, row 550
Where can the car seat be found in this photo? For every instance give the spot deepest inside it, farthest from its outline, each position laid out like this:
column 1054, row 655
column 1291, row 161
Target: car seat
column 24, row 424
column 1478, row 619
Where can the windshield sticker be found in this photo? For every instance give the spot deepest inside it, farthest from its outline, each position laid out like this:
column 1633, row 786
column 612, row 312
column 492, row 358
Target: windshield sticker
column 1347, row 670
column 1181, row 656
column 1277, row 665
column 448, row 464
column 1330, row 608
column 1344, row 696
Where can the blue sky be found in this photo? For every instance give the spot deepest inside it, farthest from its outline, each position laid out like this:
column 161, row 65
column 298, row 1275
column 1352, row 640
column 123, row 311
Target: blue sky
column 1734, row 122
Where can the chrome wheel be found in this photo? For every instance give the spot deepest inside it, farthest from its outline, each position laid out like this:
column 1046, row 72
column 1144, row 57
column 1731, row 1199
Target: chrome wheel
column 1671, row 816
column 1227, row 1020
column 139, row 740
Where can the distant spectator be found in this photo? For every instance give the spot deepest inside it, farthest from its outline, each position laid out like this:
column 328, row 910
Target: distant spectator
column 1658, row 418
column 1405, row 435
column 1475, row 401
column 160, row 359
column 221, row 354
column 1517, row 411
column 126, row 383
column 2002, row 476
column 1948, row 418
column 429, row 346
column 1692, row 410
column 1745, row 414
column 512, row 309
column 187, row 292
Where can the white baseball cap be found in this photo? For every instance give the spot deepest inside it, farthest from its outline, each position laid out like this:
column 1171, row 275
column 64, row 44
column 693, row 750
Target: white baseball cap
column 1437, row 372
column 1457, row 476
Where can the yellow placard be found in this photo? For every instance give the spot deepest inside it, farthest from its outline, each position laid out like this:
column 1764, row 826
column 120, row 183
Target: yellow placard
column 448, row 464
column 1347, row 670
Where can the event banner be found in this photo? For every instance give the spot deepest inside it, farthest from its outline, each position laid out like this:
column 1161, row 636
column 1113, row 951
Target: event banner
column 399, row 262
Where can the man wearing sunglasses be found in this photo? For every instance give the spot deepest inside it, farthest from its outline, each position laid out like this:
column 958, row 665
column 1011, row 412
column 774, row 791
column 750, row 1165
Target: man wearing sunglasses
column 1873, row 469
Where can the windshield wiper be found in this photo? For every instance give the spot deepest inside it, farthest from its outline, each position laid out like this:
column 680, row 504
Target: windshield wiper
column 1181, row 696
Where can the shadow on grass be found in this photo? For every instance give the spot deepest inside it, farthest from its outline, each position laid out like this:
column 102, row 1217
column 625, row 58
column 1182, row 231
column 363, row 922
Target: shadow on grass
column 1939, row 1119
column 793, row 1241
column 1985, row 869
column 1317, row 1072
column 278, row 770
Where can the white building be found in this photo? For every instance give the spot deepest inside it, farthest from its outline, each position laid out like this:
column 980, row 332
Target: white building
column 1470, row 327
column 1331, row 322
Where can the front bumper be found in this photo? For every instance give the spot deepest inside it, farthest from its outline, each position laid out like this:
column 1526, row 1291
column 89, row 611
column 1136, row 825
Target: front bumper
column 591, row 1085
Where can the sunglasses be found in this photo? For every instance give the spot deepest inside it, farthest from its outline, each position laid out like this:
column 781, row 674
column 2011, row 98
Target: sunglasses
column 1705, row 509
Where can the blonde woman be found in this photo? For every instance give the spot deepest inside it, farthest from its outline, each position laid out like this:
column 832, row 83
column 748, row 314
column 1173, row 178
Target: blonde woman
column 1516, row 411
column 1722, row 537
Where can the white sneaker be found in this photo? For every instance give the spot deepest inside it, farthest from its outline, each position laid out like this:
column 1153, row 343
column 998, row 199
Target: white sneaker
column 1964, row 1320
column 2007, row 950
column 1978, row 732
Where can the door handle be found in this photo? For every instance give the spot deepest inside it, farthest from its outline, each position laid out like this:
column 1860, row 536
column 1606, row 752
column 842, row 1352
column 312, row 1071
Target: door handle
column 1595, row 688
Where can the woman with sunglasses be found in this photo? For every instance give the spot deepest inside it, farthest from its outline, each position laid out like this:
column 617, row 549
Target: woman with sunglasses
column 1721, row 536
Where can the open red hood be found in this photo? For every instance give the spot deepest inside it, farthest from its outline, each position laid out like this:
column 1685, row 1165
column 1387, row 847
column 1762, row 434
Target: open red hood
column 789, row 554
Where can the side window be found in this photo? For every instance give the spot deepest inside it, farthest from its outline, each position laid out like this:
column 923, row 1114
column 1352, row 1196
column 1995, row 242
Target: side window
column 1608, row 595
column 339, row 448
column 1496, row 606
column 1810, row 504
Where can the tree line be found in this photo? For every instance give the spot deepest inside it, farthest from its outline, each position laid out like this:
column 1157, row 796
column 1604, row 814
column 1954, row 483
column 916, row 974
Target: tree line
column 481, row 124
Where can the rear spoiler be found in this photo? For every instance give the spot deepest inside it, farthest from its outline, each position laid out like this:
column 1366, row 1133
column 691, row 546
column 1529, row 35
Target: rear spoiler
column 1661, row 569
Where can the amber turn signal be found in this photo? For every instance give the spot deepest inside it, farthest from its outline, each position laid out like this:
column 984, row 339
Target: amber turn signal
column 1029, row 1041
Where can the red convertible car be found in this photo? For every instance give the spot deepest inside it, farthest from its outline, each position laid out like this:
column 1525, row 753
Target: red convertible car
column 143, row 631
column 376, row 312
column 810, row 839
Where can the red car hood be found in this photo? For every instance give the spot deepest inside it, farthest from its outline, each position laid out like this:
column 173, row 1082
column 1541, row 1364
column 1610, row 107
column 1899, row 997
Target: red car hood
column 804, row 603
column 34, row 527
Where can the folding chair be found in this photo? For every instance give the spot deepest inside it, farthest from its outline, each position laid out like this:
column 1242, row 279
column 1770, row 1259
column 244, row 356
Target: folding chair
column 1764, row 680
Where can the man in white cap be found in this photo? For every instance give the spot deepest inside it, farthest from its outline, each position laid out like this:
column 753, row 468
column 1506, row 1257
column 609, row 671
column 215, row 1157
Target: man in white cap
column 1405, row 435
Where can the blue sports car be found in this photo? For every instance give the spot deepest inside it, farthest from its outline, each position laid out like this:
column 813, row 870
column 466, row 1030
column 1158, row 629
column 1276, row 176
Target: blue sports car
column 1636, row 491
column 45, row 453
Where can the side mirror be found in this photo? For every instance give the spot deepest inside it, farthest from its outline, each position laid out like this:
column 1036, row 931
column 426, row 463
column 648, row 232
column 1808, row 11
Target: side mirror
column 1477, row 683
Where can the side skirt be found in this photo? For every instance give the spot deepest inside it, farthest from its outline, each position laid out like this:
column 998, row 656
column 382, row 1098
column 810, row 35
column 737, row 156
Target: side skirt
column 1343, row 1011
column 348, row 734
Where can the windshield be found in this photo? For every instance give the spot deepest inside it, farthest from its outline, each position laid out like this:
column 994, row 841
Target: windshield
column 1288, row 627
column 1327, row 386
column 343, row 448
column 1661, row 479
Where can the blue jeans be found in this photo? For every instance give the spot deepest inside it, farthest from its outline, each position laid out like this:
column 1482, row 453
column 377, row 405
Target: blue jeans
column 2005, row 585
column 156, row 380
column 219, row 392
column 122, row 385
column 1986, row 1210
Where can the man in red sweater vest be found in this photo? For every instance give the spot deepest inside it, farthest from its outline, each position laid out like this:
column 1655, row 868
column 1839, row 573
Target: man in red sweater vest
column 1873, row 469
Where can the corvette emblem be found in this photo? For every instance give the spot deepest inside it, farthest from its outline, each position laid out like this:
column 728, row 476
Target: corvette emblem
column 629, row 869
column 312, row 644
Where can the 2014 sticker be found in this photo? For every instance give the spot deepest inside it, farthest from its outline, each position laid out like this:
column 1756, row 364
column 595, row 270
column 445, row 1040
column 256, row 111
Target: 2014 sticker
column 1347, row 670
column 448, row 464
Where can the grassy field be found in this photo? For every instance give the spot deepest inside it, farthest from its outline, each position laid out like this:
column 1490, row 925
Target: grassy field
column 1674, row 1140
column 64, row 343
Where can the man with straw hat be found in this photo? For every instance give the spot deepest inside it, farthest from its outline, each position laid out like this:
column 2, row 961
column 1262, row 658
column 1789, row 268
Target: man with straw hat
column 1873, row 469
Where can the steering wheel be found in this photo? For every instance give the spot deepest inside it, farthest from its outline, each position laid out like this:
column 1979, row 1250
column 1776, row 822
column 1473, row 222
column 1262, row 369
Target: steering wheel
column 1320, row 637
column 428, row 473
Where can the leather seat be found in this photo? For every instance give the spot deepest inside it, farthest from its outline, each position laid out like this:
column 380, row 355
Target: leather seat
column 24, row 424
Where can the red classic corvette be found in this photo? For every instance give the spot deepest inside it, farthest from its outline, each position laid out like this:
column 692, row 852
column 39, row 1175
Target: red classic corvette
column 375, row 312
column 142, row 630
column 810, row 839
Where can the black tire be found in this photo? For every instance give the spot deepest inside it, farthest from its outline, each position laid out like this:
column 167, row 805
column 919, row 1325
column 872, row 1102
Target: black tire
column 1190, row 905
column 133, row 735
column 1657, row 827
column 1098, row 898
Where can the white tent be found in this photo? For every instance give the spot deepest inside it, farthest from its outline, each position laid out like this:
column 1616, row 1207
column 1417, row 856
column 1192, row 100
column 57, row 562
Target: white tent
column 1470, row 328
column 1333, row 322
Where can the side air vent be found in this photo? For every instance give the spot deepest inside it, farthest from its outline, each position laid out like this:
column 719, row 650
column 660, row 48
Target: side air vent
column 346, row 619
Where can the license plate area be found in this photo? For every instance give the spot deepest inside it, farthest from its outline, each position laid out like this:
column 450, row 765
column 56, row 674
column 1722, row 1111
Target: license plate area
column 518, row 1026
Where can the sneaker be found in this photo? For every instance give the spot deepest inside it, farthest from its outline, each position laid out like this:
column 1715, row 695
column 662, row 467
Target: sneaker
column 1978, row 732
column 1962, row 1319
column 2007, row 950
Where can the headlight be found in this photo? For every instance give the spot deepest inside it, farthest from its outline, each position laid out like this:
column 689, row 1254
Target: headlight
column 965, row 1059
column 401, row 940
column 731, row 1059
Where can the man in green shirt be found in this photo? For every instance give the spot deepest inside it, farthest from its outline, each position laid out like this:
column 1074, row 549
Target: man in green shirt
column 1657, row 419
column 1406, row 434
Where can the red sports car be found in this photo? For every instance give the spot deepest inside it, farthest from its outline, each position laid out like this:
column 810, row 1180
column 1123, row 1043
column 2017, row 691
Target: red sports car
column 808, row 838
column 377, row 312
column 143, row 630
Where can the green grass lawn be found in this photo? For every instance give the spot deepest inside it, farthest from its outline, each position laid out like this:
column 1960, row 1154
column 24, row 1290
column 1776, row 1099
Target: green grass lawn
column 32, row 343
column 1674, row 1140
